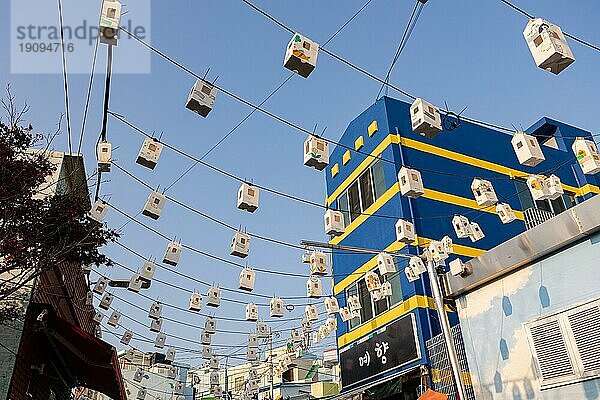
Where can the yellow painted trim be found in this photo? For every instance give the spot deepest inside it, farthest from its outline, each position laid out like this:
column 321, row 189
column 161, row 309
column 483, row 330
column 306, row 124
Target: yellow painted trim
column 335, row 170
column 445, row 376
column 372, row 128
column 408, row 305
column 346, row 157
column 390, row 139
column 359, row 142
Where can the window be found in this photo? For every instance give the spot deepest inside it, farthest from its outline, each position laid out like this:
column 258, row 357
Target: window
column 306, row 45
column 538, row 40
column 370, row 308
column 206, row 89
column 362, row 193
column 354, row 200
column 565, row 345
column 366, row 189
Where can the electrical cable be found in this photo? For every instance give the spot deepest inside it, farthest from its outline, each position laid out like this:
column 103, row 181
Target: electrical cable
column 525, row 13
column 401, row 45
column 65, row 77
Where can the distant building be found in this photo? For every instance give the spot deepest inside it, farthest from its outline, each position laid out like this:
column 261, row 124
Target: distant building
column 530, row 311
column 155, row 379
column 384, row 348
column 56, row 347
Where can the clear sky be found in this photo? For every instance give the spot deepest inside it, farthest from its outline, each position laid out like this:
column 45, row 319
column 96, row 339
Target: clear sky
column 466, row 52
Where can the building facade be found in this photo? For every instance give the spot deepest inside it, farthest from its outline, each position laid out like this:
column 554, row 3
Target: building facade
column 530, row 311
column 387, row 342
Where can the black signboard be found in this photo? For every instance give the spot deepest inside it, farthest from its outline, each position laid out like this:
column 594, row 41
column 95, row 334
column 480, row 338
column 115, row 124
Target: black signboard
column 389, row 347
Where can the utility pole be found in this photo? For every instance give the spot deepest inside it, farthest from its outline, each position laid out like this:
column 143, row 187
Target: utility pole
column 271, row 362
column 436, row 292
column 226, row 378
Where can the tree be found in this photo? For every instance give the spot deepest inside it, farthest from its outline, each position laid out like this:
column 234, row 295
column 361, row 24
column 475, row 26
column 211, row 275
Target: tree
column 38, row 232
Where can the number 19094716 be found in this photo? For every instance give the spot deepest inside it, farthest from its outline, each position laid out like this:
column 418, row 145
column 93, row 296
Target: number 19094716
column 50, row 47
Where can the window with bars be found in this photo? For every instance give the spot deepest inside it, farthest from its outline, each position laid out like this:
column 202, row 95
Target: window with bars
column 566, row 345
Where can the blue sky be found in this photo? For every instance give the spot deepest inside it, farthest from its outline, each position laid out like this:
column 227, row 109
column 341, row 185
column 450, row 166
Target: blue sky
column 468, row 53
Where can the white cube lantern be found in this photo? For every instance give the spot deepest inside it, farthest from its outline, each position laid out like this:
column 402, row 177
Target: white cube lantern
column 411, row 184
column 301, row 55
column 147, row 271
column 331, row 324
column 548, row 45
column 345, row 314
column 323, row 331
column 484, row 192
column 160, row 340
column 372, row 281
column 505, row 212
column 98, row 210
column 334, row 222
column 201, row 99
column 240, row 245
column 100, row 285
column 295, row 336
column 110, row 21
column 247, row 277
column 251, row 312
column 555, row 188
column 314, row 289
column 135, row 283
column 214, row 378
column 331, row 305
column 138, row 375
column 538, row 187
column 276, row 307
column 437, row 250
column 213, row 297
column 195, row 302
column 377, row 295
column 458, row 268
column 106, row 301
column 311, row 313
column 141, row 394
column 318, row 263
column 126, row 338
column 386, row 289
column 461, row 226
column 247, row 197
column 417, row 265
column 218, row 392
column 316, row 153
column 411, row 274
column 476, row 232
column 253, row 340
column 306, row 325
column 114, row 318
column 171, row 372
column 205, row 338
column 170, row 356
column 527, row 149
column 354, row 303
column 210, row 325
column 385, row 263
column 89, row 299
column 155, row 310
column 425, row 118
column 213, row 363
column 447, row 244
column 156, row 325
column 405, row 231
column 252, row 354
column 173, row 253
column 104, row 155
column 587, row 155
column 262, row 330
column 149, row 153
column 154, row 205
column 207, row 353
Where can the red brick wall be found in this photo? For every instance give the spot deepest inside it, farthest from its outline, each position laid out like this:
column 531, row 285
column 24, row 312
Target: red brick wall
column 64, row 288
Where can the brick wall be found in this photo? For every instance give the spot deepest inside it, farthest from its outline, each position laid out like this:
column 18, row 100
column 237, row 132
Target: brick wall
column 64, row 288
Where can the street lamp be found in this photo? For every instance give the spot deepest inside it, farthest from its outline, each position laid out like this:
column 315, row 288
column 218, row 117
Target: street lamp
column 436, row 291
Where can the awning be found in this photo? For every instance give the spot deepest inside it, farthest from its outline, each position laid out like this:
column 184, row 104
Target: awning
column 88, row 361
column 377, row 389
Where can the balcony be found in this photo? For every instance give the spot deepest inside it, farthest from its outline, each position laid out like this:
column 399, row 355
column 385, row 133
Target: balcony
column 535, row 216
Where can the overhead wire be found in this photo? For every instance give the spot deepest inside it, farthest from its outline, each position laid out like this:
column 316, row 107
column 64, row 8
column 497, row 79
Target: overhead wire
column 64, row 73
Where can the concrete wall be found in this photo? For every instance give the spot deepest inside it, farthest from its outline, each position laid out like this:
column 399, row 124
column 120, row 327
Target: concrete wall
column 492, row 323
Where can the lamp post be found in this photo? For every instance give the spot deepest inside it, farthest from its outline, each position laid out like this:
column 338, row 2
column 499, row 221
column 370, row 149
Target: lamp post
column 436, row 292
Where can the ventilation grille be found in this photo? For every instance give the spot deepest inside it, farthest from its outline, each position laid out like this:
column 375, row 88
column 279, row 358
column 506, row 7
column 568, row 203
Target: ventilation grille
column 585, row 325
column 551, row 350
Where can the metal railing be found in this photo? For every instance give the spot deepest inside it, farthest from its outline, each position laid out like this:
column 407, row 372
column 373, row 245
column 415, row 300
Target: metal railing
column 535, row 216
column 441, row 374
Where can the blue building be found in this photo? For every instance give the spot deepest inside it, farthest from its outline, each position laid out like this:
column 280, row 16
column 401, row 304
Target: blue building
column 362, row 182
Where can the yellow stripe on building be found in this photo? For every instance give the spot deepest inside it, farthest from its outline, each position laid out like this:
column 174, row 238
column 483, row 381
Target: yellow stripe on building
column 417, row 301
